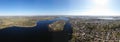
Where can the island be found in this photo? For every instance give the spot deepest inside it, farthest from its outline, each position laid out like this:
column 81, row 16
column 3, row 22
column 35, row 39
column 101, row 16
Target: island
column 57, row 26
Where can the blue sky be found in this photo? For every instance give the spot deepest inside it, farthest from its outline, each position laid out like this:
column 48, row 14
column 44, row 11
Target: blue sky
column 37, row 7
column 115, row 4
column 28, row 7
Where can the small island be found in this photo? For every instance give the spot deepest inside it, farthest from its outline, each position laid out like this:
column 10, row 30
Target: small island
column 57, row 26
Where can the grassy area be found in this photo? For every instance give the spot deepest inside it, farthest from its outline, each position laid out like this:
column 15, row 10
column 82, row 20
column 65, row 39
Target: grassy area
column 21, row 21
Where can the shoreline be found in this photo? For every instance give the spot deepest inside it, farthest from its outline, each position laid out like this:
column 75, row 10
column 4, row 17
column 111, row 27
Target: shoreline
column 19, row 26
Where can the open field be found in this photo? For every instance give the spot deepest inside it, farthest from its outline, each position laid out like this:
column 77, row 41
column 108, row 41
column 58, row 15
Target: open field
column 21, row 21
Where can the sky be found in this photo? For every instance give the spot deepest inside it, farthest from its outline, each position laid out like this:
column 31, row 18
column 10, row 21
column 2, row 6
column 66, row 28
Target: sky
column 60, row 7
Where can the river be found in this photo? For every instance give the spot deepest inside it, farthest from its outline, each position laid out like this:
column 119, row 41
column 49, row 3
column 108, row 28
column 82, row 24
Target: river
column 38, row 33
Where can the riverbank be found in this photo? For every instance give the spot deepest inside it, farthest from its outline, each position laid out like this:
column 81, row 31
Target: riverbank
column 21, row 21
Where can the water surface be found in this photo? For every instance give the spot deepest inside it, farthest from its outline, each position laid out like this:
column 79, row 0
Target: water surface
column 38, row 33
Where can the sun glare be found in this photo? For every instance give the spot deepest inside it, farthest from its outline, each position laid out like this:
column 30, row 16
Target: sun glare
column 99, row 8
column 100, row 2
